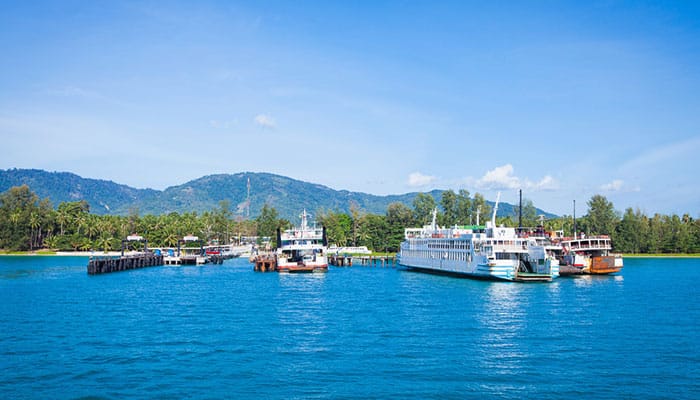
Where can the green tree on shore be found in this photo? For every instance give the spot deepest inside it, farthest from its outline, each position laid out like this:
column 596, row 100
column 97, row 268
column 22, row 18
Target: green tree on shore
column 27, row 223
column 601, row 216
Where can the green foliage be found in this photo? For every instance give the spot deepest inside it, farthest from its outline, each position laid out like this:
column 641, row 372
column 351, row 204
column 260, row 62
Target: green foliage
column 268, row 223
column 28, row 223
column 448, row 201
column 601, row 216
column 423, row 206
column 23, row 219
column 480, row 207
column 338, row 228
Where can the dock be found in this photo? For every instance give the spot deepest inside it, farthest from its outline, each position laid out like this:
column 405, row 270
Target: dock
column 340, row 260
column 106, row 264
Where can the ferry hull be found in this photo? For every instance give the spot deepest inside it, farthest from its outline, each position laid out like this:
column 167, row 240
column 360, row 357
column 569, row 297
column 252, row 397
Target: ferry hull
column 302, row 268
column 505, row 270
column 596, row 265
column 604, row 265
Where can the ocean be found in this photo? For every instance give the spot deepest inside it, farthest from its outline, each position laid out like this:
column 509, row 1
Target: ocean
column 224, row 331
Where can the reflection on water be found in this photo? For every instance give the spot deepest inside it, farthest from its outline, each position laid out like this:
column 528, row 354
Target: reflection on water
column 502, row 324
column 43, row 267
column 300, row 310
column 592, row 280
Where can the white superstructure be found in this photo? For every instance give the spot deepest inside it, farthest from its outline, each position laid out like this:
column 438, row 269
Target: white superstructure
column 302, row 249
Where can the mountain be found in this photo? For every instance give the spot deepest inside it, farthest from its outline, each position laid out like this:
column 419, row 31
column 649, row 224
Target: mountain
column 288, row 196
column 104, row 197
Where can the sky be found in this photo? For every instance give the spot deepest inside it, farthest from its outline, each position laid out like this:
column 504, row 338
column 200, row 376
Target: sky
column 562, row 100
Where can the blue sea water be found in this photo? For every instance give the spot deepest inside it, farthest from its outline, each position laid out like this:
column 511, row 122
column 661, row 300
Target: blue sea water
column 210, row 332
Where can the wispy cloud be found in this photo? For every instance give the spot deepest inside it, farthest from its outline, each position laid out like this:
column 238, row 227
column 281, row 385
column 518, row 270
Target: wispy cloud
column 74, row 91
column 416, row 179
column 218, row 124
column 502, row 178
column 670, row 152
column 614, row 186
column 618, row 185
column 265, row 121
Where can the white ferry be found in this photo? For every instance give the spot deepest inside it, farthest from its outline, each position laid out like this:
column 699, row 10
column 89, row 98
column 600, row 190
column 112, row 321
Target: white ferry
column 477, row 252
column 301, row 249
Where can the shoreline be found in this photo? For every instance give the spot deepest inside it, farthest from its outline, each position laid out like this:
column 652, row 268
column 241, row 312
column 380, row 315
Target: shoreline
column 59, row 253
column 692, row 255
column 118, row 253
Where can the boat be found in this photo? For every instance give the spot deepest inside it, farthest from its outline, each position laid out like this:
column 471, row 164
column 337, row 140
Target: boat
column 483, row 252
column 589, row 255
column 301, row 249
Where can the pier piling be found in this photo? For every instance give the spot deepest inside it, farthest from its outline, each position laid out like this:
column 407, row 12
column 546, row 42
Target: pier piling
column 340, row 260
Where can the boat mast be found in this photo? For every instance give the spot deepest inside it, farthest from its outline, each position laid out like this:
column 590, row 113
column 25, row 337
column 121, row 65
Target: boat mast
column 574, row 219
column 495, row 210
column 520, row 212
column 433, row 224
column 303, row 222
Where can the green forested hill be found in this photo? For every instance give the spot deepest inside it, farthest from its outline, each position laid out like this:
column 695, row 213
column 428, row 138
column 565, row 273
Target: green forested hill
column 104, row 197
column 286, row 195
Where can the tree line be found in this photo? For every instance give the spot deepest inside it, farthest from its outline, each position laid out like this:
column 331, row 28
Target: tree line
column 30, row 223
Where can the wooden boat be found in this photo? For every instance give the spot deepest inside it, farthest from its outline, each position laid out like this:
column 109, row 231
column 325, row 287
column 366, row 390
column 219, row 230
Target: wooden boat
column 589, row 255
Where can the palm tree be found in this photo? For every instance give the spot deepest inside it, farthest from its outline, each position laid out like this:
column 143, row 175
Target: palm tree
column 62, row 217
column 51, row 242
column 85, row 244
column 170, row 237
column 15, row 217
column 92, row 227
column 34, row 224
column 80, row 221
column 105, row 243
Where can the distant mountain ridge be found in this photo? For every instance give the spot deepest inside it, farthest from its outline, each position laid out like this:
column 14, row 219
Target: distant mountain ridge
column 288, row 196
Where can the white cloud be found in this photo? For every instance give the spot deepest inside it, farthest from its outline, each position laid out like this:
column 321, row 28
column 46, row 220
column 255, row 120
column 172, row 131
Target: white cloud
column 265, row 121
column 614, row 186
column 418, row 179
column 499, row 178
column 502, row 178
column 546, row 183
column 618, row 185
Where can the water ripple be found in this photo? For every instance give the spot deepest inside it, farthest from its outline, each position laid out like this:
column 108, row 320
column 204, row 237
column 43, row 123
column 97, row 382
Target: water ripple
column 222, row 332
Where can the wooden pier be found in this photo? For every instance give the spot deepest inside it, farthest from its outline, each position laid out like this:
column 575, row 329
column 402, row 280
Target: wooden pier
column 340, row 260
column 106, row 264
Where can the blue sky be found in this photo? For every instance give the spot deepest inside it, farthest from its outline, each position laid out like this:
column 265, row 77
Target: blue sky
column 562, row 99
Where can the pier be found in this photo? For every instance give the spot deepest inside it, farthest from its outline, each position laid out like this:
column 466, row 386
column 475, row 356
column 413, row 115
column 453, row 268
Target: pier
column 106, row 264
column 340, row 260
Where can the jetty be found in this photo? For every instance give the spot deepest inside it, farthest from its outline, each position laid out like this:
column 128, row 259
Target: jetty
column 215, row 254
column 341, row 260
column 106, row 264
